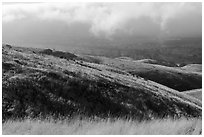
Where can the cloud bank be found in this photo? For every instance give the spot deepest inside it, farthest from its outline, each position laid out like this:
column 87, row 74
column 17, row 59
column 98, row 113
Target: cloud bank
column 112, row 19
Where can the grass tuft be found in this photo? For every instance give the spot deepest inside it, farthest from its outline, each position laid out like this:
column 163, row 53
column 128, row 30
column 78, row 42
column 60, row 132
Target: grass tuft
column 103, row 127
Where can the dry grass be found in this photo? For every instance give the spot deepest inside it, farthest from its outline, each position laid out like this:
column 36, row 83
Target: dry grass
column 118, row 127
column 197, row 93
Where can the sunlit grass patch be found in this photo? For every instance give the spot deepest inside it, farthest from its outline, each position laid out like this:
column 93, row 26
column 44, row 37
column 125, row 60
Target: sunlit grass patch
column 108, row 126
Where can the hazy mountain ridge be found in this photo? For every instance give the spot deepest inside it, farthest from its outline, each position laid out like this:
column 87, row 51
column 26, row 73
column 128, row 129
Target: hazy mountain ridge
column 173, row 52
column 36, row 84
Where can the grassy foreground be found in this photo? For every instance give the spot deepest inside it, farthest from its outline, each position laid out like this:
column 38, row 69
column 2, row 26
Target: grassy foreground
column 118, row 127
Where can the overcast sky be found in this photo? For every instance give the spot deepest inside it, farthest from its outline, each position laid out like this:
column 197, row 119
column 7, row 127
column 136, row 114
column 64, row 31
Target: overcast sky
column 80, row 23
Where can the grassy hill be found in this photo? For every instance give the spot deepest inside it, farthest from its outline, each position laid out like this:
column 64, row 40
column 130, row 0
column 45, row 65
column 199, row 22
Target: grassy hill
column 35, row 84
column 176, row 78
column 193, row 68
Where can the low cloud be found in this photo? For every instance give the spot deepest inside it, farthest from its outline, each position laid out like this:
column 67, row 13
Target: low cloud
column 109, row 19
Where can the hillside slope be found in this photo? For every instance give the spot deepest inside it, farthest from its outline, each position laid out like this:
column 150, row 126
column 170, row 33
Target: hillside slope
column 36, row 84
column 173, row 77
column 197, row 93
column 193, row 68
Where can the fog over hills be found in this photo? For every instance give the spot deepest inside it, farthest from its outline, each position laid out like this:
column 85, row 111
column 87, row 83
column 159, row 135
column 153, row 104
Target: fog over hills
column 170, row 33
column 81, row 68
column 69, row 25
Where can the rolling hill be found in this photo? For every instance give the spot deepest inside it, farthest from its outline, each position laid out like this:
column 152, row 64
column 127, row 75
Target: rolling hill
column 176, row 78
column 36, row 84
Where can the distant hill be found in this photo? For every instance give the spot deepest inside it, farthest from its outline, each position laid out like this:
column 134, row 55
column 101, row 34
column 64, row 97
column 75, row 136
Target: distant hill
column 173, row 52
column 35, row 84
column 173, row 77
